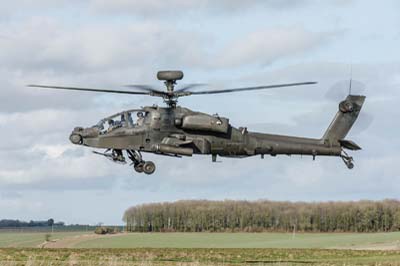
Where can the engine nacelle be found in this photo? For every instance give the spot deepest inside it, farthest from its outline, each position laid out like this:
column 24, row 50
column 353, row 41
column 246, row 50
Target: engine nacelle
column 206, row 123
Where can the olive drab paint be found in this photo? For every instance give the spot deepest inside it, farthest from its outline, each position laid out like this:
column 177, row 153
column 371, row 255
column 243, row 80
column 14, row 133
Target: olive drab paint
column 177, row 131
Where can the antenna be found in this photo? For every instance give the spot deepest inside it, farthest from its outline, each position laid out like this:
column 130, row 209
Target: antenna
column 351, row 78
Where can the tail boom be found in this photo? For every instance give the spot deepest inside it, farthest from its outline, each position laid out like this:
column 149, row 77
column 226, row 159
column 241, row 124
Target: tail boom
column 331, row 144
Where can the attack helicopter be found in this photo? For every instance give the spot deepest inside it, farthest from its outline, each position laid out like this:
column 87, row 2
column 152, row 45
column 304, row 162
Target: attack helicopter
column 178, row 131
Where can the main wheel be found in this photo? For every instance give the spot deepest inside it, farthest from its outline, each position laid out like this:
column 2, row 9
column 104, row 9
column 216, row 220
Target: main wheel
column 350, row 165
column 149, row 167
column 139, row 167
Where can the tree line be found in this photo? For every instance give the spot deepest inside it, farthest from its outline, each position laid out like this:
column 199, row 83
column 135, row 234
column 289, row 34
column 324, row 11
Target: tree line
column 264, row 215
column 5, row 223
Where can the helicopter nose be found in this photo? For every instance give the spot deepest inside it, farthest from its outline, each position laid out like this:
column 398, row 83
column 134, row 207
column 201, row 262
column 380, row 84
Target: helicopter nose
column 75, row 138
column 76, row 135
column 79, row 133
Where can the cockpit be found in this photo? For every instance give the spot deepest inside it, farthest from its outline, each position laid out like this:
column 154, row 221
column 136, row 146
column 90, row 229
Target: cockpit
column 122, row 120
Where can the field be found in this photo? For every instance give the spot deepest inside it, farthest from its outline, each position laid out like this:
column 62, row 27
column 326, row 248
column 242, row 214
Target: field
column 82, row 248
column 117, row 257
column 31, row 239
column 245, row 240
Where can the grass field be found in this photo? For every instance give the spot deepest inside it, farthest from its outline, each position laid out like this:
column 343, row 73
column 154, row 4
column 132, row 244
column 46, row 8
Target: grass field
column 243, row 240
column 31, row 239
column 82, row 248
column 205, row 240
column 196, row 257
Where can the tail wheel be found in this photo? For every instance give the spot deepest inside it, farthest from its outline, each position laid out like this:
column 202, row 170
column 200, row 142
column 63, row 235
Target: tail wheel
column 139, row 167
column 348, row 160
column 149, row 167
column 350, row 165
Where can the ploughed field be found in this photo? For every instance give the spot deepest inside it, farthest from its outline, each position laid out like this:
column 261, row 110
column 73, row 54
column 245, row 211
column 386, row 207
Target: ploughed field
column 83, row 248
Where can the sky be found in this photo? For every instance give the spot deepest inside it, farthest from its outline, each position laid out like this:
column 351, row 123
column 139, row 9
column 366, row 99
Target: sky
column 226, row 43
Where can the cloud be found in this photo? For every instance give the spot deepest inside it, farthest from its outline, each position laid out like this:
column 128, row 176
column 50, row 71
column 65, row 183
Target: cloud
column 44, row 50
column 46, row 47
column 265, row 46
column 46, row 44
column 106, row 44
column 56, row 167
column 37, row 152
column 38, row 146
column 21, row 206
column 185, row 7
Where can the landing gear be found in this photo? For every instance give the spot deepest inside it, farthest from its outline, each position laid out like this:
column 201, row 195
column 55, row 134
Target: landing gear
column 140, row 166
column 149, row 167
column 114, row 155
column 348, row 160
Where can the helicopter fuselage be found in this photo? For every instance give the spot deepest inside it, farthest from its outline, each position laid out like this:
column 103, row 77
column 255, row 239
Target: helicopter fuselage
column 178, row 131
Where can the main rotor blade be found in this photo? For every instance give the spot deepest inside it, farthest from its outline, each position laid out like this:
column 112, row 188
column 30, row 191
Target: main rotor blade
column 88, row 89
column 143, row 87
column 190, row 86
column 251, row 88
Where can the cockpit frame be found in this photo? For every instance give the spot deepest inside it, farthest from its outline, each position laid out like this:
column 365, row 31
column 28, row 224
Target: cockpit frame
column 110, row 123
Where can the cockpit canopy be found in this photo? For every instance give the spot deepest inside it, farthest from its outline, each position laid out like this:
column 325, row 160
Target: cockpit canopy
column 123, row 119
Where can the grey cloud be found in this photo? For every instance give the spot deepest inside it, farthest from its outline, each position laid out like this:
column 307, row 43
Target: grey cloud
column 46, row 44
column 47, row 171
column 34, row 149
column 379, row 79
column 263, row 47
column 36, row 152
column 109, row 51
column 184, row 7
column 47, row 51
column 9, row 194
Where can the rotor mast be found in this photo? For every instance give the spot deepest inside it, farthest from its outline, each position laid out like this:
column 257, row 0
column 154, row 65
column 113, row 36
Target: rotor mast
column 170, row 85
column 170, row 78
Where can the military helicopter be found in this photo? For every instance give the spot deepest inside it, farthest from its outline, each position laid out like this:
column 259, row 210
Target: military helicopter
column 177, row 131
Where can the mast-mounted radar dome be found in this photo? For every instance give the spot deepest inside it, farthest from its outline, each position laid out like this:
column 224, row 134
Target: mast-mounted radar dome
column 170, row 75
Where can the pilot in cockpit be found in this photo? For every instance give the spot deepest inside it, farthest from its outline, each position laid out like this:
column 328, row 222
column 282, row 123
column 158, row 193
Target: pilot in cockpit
column 111, row 125
column 123, row 122
column 140, row 120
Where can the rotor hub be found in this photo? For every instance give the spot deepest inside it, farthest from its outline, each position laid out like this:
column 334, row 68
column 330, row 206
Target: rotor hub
column 170, row 77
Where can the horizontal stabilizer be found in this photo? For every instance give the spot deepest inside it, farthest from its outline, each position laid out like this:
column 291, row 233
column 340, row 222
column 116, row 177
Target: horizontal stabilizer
column 348, row 144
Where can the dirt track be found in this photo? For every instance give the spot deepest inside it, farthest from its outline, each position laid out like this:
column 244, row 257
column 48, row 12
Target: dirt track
column 71, row 242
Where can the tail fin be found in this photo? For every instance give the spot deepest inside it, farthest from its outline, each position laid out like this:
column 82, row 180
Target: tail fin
column 344, row 119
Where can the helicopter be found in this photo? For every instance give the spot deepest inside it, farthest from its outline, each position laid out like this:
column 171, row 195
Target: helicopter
column 178, row 131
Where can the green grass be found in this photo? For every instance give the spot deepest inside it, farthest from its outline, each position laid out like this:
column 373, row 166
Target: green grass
column 241, row 240
column 198, row 257
column 198, row 249
column 210, row 240
column 31, row 239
